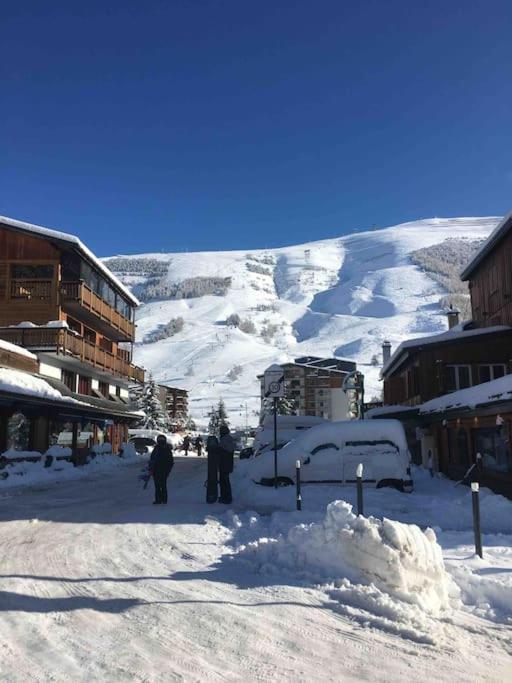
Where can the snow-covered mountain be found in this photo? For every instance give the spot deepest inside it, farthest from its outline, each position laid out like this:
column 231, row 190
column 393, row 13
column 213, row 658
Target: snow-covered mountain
column 339, row 297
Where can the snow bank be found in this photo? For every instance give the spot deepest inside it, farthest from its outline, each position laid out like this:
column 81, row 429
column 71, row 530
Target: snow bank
column 382, row 573
column 23, row 473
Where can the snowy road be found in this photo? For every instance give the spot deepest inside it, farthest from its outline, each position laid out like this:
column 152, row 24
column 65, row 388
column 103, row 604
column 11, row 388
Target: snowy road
column 96, row 584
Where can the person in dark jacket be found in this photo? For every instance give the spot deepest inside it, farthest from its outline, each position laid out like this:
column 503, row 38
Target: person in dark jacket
column 186, row 443
column 226, row 453
column 199, row 445
column 212, row 483
column 160, row 465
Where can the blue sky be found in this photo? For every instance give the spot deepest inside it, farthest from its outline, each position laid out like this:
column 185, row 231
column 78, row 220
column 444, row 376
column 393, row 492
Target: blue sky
column 187, row 125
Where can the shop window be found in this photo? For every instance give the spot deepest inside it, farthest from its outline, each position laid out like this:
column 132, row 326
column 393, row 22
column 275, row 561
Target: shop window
column 486, row 373
column 18, row 432
column 458, row 377
column 463, row 447
column 492, row 443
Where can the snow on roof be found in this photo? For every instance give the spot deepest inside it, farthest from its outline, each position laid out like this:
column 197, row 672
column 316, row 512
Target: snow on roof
column 77, row 243
column 387, row 410
column 496, row 235
column 7, row 346
column 489, row 392
column 19, row 382
column 456, row 333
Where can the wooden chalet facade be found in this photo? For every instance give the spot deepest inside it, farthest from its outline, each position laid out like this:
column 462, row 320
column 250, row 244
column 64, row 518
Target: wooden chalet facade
column 60, row 302
column 449, row 364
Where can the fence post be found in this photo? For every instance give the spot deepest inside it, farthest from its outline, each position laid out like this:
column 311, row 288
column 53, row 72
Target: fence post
column 476, row 517
column 297, row 481
column 359, row 482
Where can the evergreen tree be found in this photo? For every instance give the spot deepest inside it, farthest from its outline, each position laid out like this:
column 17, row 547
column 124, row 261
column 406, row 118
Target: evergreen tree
column 155, row 417
column 222, row 413
column 285, row 406
column 218, row 417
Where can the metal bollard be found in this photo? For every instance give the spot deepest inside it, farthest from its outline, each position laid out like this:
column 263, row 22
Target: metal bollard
column 297, row 481
column 359, row 481
column 476, row 517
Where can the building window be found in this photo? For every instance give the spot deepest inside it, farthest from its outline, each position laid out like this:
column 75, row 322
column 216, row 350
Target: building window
column 84, row 385
column 492, row 444
column 32, row 272
column 18, row 432
column 103, row 388
column 486, row 373
column 458, row 377
column 69, row 379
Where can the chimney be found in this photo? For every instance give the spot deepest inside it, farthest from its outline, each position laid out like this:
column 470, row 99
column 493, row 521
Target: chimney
column 453, row 316
column 386, row 352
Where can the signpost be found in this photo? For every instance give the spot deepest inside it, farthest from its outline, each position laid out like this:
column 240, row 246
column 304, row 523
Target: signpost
column 273, row 387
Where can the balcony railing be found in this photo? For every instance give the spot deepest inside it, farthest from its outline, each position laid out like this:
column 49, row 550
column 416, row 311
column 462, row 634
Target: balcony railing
column 33, row 290
column 64, row 342
column 82, row 294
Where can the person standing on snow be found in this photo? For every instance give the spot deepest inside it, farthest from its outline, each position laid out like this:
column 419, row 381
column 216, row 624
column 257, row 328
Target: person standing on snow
column 212, row 482
column 161, row 463
column 186, row 443
column 226, row 452
column 199, row 445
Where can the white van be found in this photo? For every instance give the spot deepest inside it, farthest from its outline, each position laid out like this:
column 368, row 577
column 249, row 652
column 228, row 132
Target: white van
column 288, row 428
column 331, row 452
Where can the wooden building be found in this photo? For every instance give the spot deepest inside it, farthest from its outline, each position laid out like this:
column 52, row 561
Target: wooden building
column 424, row 368
column 63, row 304
column 453, row 391
column 490, row 278
column 175, row 403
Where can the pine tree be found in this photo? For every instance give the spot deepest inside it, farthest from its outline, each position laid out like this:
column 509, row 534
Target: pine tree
column 152, row 408
column 222, row 413
column 285, row 406
column 218, row 417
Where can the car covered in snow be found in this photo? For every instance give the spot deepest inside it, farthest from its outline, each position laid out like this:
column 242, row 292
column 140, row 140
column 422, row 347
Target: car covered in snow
column 288, row 428
column 331, row 452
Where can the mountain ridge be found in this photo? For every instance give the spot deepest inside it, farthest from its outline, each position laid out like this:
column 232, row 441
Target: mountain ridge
column 338, row 296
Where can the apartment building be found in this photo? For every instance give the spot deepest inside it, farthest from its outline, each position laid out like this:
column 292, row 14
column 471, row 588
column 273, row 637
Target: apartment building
column 62, row 303
column 316, row 386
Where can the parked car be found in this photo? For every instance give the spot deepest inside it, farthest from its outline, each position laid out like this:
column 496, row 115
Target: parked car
column 331, row 452
column 143, row 444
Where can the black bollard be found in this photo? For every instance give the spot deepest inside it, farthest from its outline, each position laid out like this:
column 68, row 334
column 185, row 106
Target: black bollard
column 297, row 480
column 359, row 481
column 476, row 518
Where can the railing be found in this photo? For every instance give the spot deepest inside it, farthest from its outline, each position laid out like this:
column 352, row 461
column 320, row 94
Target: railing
column 83, row 294
column 41, row 290
column 65, row 342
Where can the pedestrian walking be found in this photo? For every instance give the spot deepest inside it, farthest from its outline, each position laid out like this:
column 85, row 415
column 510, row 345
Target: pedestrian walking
column 186, row 443
column 199, row 445
column 161, row 463
column 226, row 461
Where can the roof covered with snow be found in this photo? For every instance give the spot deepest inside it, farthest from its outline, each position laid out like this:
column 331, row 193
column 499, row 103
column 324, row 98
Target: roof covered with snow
column 19, row 382
column 12, row 348
column 501, row 230
column 77, row 244
column 481, row 394
column 455, row 334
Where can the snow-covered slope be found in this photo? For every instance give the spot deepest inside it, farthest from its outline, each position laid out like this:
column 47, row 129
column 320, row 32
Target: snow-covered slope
column 338, row 297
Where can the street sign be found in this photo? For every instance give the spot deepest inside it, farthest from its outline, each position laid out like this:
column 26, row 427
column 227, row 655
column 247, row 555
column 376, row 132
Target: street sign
column 274, row 382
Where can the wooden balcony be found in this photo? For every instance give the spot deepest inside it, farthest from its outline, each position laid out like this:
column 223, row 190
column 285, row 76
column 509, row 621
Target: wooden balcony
column 64, row 342
column 32, row 290
column 78, row 298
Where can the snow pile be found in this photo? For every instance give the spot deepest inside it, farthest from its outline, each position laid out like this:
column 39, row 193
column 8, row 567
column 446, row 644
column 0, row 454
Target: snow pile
column 26, row 473
column 101, row 448
column 59, row 451
column 390, row 573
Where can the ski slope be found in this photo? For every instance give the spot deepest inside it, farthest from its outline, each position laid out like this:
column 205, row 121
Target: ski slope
column 338, row 297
